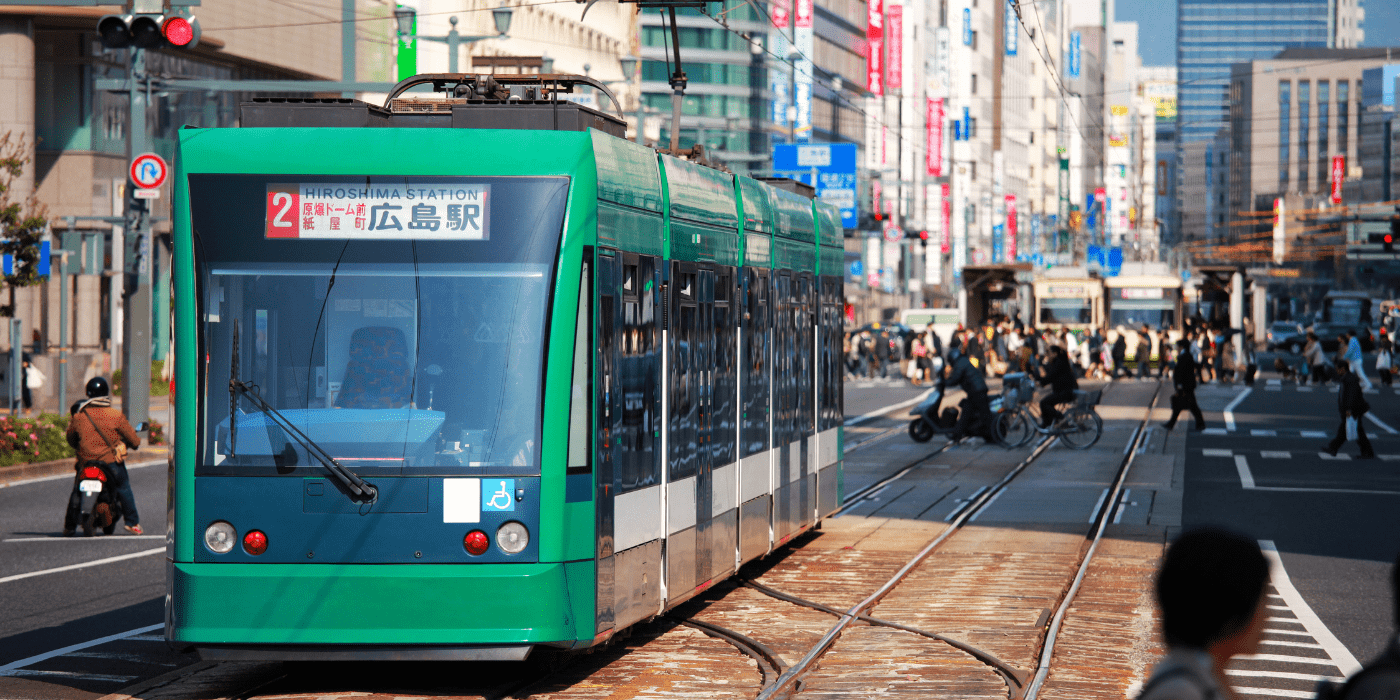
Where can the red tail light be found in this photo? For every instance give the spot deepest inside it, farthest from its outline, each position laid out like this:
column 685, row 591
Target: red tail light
column 255, row 542
column 476, row 542
column 94, row 473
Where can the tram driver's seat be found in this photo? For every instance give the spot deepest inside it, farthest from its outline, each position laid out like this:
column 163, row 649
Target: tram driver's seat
column 378, row 374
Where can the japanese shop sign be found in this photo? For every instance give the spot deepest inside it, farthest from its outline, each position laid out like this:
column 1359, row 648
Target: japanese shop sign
column 388, row 211
column 933, row 123
column 1339, row 169
column 874, row 36
column 894, row 62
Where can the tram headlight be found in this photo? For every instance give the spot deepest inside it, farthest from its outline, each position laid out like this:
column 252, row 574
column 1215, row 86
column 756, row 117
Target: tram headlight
column 512, row 538
column 220, row 537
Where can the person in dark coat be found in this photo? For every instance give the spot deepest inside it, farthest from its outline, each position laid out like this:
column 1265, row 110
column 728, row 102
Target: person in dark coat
column 1184, row 377
column 1144, row 351
column 962, row 373
column 882, row 354
column 1059, row 375
column 1351, row 403
column 1120, row 354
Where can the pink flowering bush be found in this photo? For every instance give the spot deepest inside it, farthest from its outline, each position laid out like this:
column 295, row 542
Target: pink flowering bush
column 38, row 439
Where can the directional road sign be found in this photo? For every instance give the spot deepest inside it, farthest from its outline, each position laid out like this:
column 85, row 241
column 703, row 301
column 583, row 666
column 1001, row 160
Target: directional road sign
column 148, row 171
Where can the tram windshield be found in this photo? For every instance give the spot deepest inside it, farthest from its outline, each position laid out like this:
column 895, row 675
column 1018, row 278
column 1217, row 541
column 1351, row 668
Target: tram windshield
column 410, row 354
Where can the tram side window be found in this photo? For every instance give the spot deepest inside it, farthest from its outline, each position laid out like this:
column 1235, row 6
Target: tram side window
column 684, row 411
column 726, row 368
column 803, row 316
column 784, row 361
column 831, row 356
column 754, row 416
column 637, row 464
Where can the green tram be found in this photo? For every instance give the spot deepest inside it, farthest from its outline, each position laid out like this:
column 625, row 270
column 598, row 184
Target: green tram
column 458, row 390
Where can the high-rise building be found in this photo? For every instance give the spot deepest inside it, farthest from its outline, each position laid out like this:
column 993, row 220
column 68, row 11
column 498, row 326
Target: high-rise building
column 1159, row 89
column 1212, row 36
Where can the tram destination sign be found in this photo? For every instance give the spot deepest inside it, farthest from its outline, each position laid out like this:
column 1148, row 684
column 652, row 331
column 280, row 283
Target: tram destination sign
column 384, row 211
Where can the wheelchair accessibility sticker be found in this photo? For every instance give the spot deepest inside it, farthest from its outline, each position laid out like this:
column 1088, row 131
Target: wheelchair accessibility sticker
column 498, row 495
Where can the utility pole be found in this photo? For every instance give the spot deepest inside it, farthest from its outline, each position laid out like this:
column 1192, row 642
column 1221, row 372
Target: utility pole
column 136, row 273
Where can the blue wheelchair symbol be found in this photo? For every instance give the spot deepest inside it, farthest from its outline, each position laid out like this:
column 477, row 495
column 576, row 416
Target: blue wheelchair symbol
column 498, row 495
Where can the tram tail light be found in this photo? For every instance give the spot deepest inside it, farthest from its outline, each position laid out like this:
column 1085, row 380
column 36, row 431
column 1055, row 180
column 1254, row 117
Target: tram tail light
column 255, row 542
column 476, row 542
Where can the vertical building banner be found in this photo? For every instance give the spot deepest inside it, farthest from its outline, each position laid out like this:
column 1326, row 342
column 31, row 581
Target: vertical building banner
column 1279, row 230
column 1013, row 29
column 778, row 77
column 1010, row 228
column 945, row 245
column 933, row 125
column 1075, row 55
column 877, row 194
column 802, row 37
column 894, row 60
column 1339, row 169
column 940, row 80
column 874, row 41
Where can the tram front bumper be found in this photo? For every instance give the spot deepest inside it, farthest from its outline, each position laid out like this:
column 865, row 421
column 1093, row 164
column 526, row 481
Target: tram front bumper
column 235, row 606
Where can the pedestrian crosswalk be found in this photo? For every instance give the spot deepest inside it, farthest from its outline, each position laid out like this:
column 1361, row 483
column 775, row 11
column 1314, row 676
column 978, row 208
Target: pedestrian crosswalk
column 1288, row 454
column 1280, row 385
column 1280, row 433
column 1297, row 652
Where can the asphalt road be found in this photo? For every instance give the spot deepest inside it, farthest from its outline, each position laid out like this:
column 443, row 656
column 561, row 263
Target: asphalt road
column 1334, row 521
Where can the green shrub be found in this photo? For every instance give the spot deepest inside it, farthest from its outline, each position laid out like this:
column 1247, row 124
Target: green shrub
column 159, row 387
column 38, row 439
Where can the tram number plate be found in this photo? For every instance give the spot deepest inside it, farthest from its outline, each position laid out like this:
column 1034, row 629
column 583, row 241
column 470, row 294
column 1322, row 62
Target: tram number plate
column 385, row 209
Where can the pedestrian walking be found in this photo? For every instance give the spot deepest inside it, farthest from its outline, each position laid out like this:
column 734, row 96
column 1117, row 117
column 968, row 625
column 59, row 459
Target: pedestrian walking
column 1184, row 380
column 1312, row 355
column 1144, row 352
column 1383, row 362
column 882, row 353
column 1210, row 591
column 1380, row 679
column 1351, row 403
column 918, row 358
column 1120, row 354
column 1166, row 359
column 1354, row 359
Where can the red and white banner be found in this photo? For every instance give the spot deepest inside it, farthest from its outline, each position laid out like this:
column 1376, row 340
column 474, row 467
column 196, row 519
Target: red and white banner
column 877, row 193
column 383, row 211
column 945, row 245
column 1011, row 228
column 1339, row 172
column 778, row 13
column 933, row 123
column 804, row 13
column 894, row 61
column 874, row 41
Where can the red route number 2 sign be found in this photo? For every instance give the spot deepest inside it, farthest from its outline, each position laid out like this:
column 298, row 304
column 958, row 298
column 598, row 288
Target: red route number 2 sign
column 283, row 209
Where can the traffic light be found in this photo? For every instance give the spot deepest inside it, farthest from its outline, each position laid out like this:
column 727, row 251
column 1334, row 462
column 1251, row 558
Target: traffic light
column 1387, row 240
column 923, row 238
column 148, row 31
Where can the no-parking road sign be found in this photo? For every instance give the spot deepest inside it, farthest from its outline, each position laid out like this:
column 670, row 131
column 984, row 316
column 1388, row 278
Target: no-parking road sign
column 148, row 171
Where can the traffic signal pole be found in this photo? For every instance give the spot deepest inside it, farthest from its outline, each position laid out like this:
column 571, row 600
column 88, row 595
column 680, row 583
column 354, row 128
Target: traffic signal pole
column 136, row 273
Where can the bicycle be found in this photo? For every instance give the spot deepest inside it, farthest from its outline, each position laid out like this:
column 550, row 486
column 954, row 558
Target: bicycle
column 1079, row 425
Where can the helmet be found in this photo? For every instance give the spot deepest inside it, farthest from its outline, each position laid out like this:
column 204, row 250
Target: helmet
column 98, row 386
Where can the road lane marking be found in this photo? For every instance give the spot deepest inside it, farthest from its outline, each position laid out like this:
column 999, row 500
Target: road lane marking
column 1306, row 489
column 118, row 538
column 1273, row 454
column 1214, row 431
column 1276, row 692
column 84, row 565
column 1230, row 410
column 1305, row 388
column 73, row 675
column 16, row 665
column 1123, row 504
column 1305, row 645
column 1372, row 417
column 1301, row 633
column 986, row 506
column 1309, row 619
column 882, row 411
column 1242, row 466
column 1340, row 456
column 1284, row 658
column 1216, row 452
column 1282, row 674
column 1094, row 514
column 1256, row 432
column 1314, row 433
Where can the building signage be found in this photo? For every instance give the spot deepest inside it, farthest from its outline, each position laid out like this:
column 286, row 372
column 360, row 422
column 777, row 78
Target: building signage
column 939, row 82
column 894, row 61
column 933, row 123
column 876, row 193
column 804, row 13
column 998, row 243
column 1074, row 54
column 1010, row 227
column 1339, row 169
column 967, row 26
column 1141, row 293
column 874, row 40
column 1013, row 30
column 946, row 244
column 1279, row 231
column 835, row 165
column 802, row 35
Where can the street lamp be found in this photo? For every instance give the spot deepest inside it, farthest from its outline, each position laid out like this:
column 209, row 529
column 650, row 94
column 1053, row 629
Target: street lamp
column 501, row 16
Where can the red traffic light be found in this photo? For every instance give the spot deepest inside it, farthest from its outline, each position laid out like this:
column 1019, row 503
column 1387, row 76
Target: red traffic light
column 1388, row 238
column 923, row 235
column 178, row 31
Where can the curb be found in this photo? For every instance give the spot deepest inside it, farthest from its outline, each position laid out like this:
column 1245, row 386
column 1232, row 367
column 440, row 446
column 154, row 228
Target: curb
column 38, row 470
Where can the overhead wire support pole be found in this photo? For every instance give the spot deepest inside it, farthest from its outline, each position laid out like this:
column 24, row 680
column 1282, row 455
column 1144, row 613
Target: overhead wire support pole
column 678, row 82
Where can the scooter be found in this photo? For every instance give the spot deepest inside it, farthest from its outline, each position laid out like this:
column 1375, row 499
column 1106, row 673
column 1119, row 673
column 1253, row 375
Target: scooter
column 929, row 421
column 100, row 506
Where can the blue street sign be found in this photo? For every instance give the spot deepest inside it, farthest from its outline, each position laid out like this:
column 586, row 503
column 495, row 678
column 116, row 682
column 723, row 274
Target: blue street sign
column 1074, row 54
column 998, row 242
column 967, row 26
column 857, row 268
column 1115, row 261
column 1094, row 257
column 835, row 164
column 44, row 258
column 1013, row 31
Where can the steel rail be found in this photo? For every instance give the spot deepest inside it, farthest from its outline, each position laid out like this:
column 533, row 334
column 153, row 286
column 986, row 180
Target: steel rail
column 1105, row 516
column 770, row 665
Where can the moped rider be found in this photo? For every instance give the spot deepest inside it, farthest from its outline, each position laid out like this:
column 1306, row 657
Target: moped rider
column 962, row 373
column 100, row 434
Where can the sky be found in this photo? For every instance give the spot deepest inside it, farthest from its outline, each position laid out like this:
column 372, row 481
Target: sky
column 1158, row 48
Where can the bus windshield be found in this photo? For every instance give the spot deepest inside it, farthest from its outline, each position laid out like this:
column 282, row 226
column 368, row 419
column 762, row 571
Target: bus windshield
column 408, row 354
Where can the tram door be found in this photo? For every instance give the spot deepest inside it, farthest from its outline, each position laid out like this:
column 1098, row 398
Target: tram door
column 691, row 426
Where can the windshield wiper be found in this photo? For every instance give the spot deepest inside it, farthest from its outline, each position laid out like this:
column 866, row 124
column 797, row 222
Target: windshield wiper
column 361, row 489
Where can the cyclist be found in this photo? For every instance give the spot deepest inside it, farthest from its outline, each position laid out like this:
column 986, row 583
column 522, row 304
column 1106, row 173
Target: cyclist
column 962, row 373
column 1059, row 374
